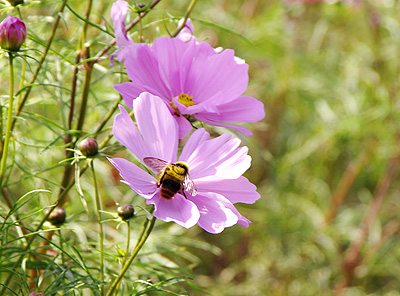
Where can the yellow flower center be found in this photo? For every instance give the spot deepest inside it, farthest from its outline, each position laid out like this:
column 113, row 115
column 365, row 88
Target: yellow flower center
column 184, row 99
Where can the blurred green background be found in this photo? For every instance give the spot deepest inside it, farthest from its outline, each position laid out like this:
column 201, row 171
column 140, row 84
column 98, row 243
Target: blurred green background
column 325, row 158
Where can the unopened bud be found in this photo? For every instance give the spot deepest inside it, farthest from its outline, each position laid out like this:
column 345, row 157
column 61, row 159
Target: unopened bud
column 88, row 146
column 57, row 216
column 12, row 33
column 126, row 212
column 15, row 2
column 140, row 7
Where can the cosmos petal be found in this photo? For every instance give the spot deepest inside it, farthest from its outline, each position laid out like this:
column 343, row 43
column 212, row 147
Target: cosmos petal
column 118, row 13
column 216, row 72
column 179, row 210
column 127, row 134
column 216, row 212
column 235, row 190
column 129, row 92
column 186, row 34
column 242, row 109
column 219, row 158
column 243, row 221
column 172, row 62
column 143, row 68
column 139, row 180
column 157, row 126
column 184, row 126
column 198, row 137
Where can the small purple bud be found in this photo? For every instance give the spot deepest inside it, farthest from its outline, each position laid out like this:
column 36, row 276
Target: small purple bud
column 88, row 146
column 57, row 217
column 12, row 33
column 15, row 2
column 126, row 212
column 140, row 7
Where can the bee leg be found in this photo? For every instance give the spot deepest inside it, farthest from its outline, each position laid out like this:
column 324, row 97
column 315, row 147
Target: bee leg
column 183, row 193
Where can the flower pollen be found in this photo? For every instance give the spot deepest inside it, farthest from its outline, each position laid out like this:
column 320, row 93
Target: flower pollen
column 184, row 99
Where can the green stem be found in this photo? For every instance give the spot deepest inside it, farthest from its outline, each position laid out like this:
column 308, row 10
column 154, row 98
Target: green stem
column 188, row 12
column 9, row 120
column 86, row 89
column 62, row 247
column 141, row 240
column 41, row 62
column 140, row 28
column 101, row 234
column 128, row 240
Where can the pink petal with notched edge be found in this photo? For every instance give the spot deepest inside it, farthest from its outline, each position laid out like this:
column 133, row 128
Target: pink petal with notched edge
column 159, row 132
column 179, row 210
column 235, row 190
column 217, row 73
column 219, row 157
column 129, row 92
column 242, row 109
column 144, row 70
column 243, row 221
column 198, row 137
column 140, row 181
column 158, row 135
column 216, row 212
column 126, row 132
column 118, row 13
column 173, row 63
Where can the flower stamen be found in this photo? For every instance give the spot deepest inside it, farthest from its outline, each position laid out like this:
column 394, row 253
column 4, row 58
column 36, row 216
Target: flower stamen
column 184, row 99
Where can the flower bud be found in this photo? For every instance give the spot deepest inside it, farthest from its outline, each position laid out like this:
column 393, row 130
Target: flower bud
column 12, row 33
column 140, row 7
column 126, row 212
column 57, row 216
column 15, row 2
column 88, row 146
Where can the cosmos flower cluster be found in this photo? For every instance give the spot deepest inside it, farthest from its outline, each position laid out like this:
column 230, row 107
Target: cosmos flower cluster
column 173, row 82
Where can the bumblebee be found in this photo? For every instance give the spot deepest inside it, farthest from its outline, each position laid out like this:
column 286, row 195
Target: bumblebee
column 173, row 177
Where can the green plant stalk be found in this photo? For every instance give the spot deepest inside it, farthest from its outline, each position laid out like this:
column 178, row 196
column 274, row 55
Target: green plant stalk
column 101, row 233
column 140, row 28
column 85, row 24
column 9, row 120
column 128, row 240
column 62, row 246
column 21, row 84
column 108, row 116
column 86, row 89
column 41, row 61
column 141, row 240
column 187, row 14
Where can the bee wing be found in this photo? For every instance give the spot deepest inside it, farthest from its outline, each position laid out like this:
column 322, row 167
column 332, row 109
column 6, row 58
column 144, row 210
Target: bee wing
column 155, row 164
column 189, row 186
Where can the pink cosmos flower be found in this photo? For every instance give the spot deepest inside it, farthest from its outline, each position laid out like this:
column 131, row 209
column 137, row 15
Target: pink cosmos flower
column 215, row 167
column 191, row 78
